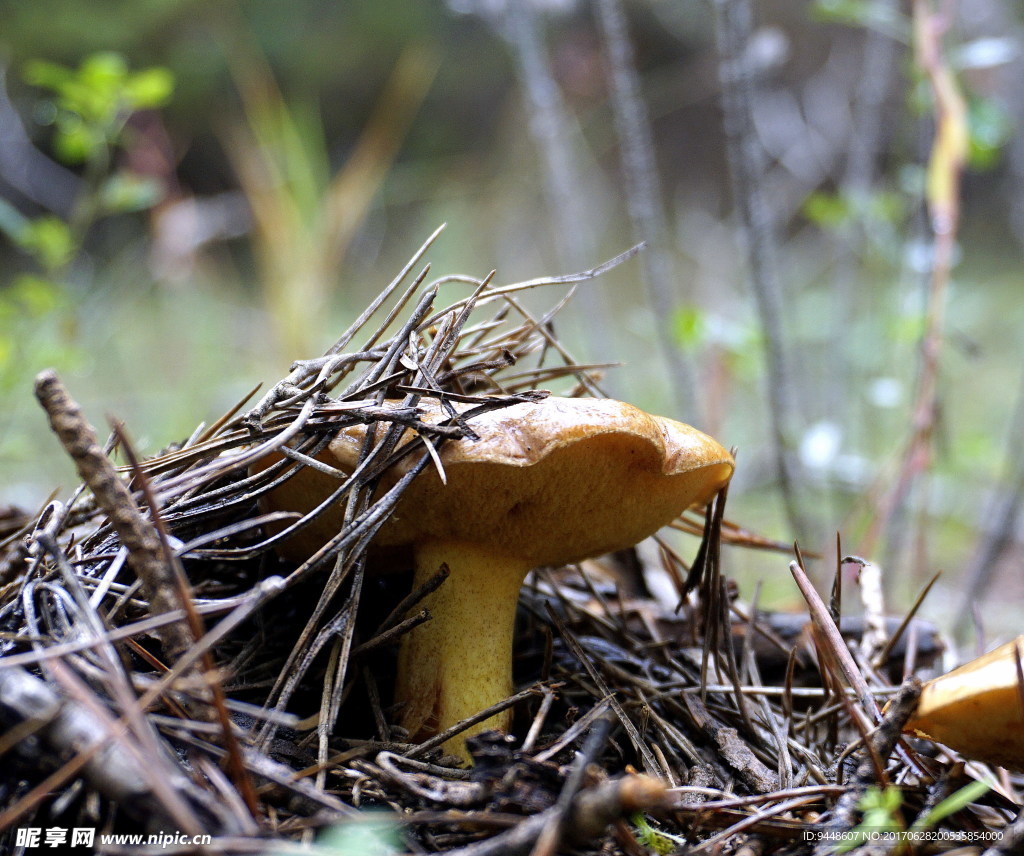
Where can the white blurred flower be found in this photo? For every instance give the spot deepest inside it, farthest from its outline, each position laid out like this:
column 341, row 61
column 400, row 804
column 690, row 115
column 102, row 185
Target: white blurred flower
column 820, row 445
column 885, row 392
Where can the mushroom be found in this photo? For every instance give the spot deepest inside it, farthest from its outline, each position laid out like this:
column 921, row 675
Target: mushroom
column 546, row 483
column 978, row 708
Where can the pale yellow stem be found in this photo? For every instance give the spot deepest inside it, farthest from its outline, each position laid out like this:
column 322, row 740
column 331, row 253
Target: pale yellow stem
column 460, row 661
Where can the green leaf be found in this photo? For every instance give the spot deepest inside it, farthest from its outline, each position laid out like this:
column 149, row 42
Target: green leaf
column 104, row 72
column 881, row 802
column 75, row 141
column 952, row 804
column 990, row 129
column 886, row 206
column 906, row 328
column 46, row 75
column 690, row 327
column 93, row 101
column 35, row 296
column 828, row 210
column 149, row 88
column 49, row 240
column 880, row 808
column 863, row 14
column 88, row 103
column 127, row 191
column 853, row 12
column 662, row 843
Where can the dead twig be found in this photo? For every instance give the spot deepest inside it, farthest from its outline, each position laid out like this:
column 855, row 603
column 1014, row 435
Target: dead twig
column 590, row 812
column 881, row 744
column 160, row 579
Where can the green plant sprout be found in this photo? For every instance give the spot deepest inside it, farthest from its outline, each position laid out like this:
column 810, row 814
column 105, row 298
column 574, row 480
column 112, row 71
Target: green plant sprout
column 881, row 809
column 92, row 103
column 88, row 108
column 655, row 839
column 951, row 805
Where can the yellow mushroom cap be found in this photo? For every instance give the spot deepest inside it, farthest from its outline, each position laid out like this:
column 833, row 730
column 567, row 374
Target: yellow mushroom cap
column 977, row 709
column 543, row 483
column 550, row 482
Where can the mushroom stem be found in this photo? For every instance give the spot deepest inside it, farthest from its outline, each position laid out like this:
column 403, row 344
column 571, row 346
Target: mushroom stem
column 459, row 662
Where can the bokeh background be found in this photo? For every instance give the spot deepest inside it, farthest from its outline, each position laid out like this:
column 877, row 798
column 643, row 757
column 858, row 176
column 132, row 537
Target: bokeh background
column 193, row 194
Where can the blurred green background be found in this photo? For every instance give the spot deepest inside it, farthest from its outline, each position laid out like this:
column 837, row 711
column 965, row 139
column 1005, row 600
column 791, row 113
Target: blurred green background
column 192, row 195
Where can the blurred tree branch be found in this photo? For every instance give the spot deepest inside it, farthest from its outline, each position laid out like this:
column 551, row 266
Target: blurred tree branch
column 557, row 140
column 945, row 166
column 1002, row 513
column 551, row 127
column 643, row 197
column 880, row 50
column 733, row 29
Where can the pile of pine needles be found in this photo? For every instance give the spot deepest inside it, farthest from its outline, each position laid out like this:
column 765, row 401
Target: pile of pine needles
column 164, row 674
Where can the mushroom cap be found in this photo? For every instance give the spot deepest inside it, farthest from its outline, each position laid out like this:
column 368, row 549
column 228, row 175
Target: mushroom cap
column 977, row 709
column 549, row 482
